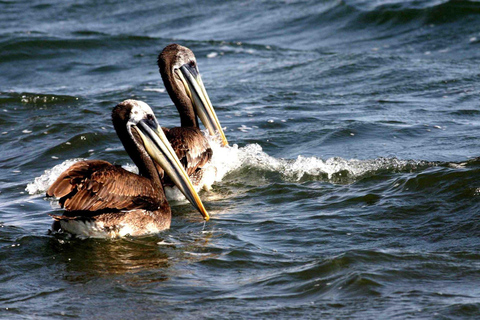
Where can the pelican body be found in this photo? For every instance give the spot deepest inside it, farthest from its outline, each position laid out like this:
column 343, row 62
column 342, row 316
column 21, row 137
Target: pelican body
column 180, row 75
column 105, row 200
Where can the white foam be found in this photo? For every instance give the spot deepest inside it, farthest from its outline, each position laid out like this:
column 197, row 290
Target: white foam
column 228, row 159
column 160, row 90
column 212, row 55
column 173, row 194
column 130, row 167
column 231, row 158
column 353, row 168
column 43, row 182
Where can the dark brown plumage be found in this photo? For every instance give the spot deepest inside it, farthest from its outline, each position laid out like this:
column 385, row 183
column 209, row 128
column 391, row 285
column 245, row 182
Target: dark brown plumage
column 191, row 148
column 172, row 58
column 106, row 200
column 95, row 185
column 180, row 75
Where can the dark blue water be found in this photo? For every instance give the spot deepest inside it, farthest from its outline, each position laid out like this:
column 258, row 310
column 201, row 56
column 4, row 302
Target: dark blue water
column 351, row 189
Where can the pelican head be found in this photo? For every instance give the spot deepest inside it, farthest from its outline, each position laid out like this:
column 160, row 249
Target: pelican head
column 136, row 119
column 179, row 71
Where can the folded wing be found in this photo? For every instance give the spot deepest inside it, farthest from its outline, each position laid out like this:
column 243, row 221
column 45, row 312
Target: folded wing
column 94, row 185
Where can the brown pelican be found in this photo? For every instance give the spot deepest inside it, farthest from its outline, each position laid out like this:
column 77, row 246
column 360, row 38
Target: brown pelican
column 179, row 71
column 105, row 200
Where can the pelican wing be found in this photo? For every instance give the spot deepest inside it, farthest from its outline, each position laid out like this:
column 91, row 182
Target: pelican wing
column 94, row 185
column 191, row 147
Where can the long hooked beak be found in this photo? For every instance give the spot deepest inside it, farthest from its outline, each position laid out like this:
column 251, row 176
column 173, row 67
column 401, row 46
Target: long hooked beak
column 158, row 147
column 203, row 107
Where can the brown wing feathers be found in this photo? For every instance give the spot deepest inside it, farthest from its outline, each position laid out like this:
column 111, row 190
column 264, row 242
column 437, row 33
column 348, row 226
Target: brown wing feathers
column 94, row 185
column 191, row 147
column 71, row 178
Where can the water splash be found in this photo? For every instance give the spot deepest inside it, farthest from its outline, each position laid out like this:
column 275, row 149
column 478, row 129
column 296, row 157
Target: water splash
column 335, row 168
column 231, row 158
column 43, row 182
column 228, row 159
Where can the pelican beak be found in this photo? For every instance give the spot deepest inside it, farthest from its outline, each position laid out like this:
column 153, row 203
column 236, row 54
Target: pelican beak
column 194, row 87
column 158, row 147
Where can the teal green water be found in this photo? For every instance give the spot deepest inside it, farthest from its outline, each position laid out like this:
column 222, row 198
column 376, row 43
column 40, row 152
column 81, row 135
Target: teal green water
column 350, row 191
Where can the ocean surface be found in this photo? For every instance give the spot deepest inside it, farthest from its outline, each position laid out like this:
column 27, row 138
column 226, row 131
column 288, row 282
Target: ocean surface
column 350, row 190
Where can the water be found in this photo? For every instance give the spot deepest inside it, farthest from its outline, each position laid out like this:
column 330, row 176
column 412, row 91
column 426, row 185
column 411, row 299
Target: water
column 350, row 190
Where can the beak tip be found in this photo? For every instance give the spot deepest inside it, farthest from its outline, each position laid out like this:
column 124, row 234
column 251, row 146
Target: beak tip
column 224, row 142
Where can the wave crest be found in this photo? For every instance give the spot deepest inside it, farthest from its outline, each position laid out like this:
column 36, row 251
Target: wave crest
column 229, row 159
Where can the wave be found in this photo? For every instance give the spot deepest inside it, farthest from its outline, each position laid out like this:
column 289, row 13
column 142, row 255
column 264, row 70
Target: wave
column 348, row 22
column 230, row 159
column 380, row 12
column 431, row 11
column 41, row 183
column 35, row 98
